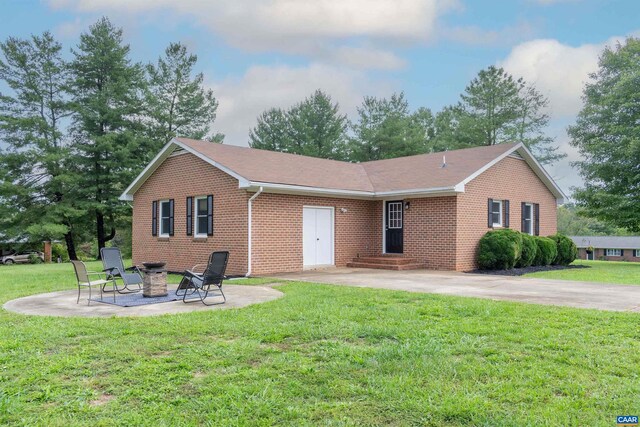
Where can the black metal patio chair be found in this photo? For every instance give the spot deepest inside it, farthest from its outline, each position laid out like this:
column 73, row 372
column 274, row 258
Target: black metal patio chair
column 114, row 268
column 209, row 282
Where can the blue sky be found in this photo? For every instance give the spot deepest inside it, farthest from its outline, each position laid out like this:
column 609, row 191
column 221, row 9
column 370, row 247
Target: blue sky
column 260, row 54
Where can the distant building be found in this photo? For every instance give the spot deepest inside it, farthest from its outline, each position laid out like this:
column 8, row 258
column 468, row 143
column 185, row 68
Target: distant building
column 608, row 248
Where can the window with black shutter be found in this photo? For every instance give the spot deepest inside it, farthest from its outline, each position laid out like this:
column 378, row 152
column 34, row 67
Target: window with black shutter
column 154, row 218
column 527, row 218
column 210, row 215
column 495, row 213
column 166, row 218
column 189, row 216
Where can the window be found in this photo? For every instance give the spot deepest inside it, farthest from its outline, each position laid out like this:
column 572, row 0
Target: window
column 613, row 252
column 496, row 213
column 636, row 253
column 166, row 218
column 395, row 215
column 201, row 216
column 527, row 218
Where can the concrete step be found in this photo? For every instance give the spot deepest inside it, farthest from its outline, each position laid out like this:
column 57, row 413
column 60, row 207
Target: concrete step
column 389, row 260
column 380, row 266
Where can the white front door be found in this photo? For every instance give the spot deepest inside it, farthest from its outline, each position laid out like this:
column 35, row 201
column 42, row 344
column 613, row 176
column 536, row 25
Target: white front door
column 317, row 236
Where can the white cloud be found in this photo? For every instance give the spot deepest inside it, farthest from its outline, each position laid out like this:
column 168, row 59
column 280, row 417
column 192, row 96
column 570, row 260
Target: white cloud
column 474, row 35
column 302, row 27
column 558, row 70
column 262, row 87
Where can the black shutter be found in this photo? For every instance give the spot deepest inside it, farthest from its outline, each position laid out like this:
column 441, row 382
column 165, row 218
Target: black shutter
column 189, row 216
column 506, row 213
column 489, row 214
column 171, row 206
column 210, row 215
column 523, row 222
column 621, row 252
column 154, row 218
column 536, row 219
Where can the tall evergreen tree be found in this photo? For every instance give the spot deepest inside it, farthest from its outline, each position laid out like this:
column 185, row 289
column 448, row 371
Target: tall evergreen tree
column 496, row 108
column 314, row 127
column 36, row 180
column 107, row 101
column 607, row 135
column 177, row 101
column 386, row 128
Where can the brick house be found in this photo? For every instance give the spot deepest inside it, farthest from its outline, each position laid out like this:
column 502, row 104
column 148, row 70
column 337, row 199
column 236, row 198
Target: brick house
column 608, row 248
column 278, row 212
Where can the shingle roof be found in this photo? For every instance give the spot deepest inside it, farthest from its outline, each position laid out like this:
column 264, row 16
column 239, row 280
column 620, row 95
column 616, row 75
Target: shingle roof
column 404, row 173
column 607, row 242
column 413, row 176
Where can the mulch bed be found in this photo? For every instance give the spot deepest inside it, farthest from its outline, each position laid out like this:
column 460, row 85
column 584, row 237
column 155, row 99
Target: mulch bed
column 526, row 270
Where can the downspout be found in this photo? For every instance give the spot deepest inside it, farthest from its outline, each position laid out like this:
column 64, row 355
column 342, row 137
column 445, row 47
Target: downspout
column 249, row 206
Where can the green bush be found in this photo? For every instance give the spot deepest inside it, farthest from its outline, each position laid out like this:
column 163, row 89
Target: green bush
column 59, row 250
column 567, row 250
column 34, row 259
column 529, row 251
column 499, row 249
column 546, row 252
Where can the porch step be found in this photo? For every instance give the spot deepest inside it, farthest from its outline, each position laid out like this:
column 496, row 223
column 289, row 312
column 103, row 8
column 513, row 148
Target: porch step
column 389, row 259
column 387, row 263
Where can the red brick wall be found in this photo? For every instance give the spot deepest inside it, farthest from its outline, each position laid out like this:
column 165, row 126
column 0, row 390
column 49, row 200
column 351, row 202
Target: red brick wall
column 599, row 254
column 179, row 177
column 277, row 230
column 510, row 179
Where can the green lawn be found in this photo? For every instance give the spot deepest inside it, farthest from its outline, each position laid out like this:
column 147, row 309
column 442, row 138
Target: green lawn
column 626, row 273
column 321, row 355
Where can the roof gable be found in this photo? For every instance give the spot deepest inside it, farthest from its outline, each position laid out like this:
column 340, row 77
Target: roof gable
column 419, row 175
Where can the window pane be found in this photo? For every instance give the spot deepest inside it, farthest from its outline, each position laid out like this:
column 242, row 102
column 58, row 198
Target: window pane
column 164, row 209
column 527, row 212
column 164, row 226
column 495, row 217
column 202, row 225
column 202, row 207
column 496, row 207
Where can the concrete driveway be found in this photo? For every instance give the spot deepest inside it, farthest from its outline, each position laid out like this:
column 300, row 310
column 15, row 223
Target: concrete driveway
column 530, row 290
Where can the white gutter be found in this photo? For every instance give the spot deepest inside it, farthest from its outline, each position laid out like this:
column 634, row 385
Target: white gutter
column 249, row 206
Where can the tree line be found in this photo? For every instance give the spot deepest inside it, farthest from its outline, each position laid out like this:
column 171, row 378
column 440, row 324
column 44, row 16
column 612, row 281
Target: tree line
column 78, row 130
column 494, row 108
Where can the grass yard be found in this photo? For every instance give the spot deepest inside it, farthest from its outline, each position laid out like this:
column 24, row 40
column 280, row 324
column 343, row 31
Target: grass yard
column 625, row 273
column 321, row 355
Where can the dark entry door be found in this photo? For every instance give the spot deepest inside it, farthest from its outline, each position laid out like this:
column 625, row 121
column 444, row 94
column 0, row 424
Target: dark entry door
column 393, row 227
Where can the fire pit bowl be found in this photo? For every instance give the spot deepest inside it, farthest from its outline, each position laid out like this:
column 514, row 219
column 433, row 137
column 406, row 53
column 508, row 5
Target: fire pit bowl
column 154, row 265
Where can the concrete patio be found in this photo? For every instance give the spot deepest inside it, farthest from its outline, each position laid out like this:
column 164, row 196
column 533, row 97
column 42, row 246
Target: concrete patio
column 536, row 291
column 63, row 303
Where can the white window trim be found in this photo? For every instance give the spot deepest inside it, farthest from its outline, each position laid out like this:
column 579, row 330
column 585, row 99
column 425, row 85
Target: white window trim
column 160, row 233
column 636, row 253
column 531, row 220
column 195, row 217
column 497, row 225
column 613, row 252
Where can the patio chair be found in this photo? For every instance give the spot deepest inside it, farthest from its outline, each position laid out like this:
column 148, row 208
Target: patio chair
column 114, row 268
column 82, row 275
column 209, row 282
column 199, row 269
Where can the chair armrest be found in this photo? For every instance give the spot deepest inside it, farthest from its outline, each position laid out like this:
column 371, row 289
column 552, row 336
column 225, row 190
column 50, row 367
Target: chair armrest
column 190, row 273
column 95, row 272
column 195, row 267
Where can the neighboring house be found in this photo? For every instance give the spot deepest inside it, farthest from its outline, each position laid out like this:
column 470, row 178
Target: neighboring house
column 278, row 212
column 610, row 248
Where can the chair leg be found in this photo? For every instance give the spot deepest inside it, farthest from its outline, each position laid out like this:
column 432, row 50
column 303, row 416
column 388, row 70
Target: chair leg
column 206, row 294
column 78, row 300
column 89, row 300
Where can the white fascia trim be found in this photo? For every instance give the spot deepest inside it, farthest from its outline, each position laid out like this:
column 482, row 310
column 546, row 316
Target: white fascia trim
column 287, row 188
column 292, row 189
column 531, row 161
column 166, row 151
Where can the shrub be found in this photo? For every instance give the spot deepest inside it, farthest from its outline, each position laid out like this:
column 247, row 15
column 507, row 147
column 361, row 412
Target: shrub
column 529, row 251
column 499, row 249
column 34, row 259
column 546, row 252
column 567, row 250
column 58, row 250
